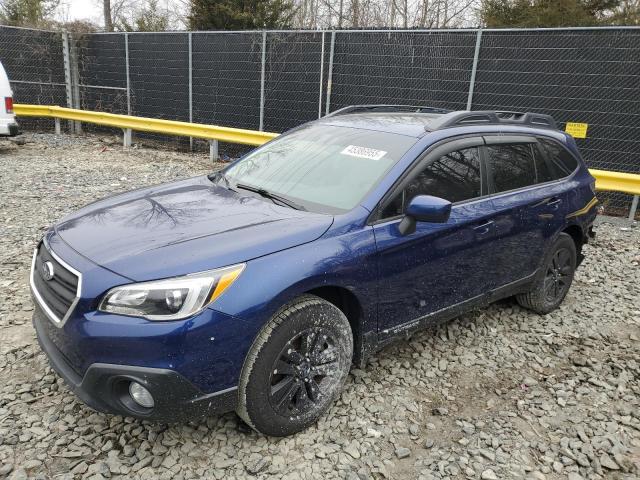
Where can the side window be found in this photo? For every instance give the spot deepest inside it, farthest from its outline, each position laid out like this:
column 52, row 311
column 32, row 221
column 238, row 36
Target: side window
column 562, row 162
column 512, row 166
column 544, row 171
column 454, row 177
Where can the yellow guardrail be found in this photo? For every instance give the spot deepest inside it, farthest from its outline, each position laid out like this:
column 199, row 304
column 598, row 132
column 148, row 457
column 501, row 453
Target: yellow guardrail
column 617, row 181
column 144, row 124
column 605, row 180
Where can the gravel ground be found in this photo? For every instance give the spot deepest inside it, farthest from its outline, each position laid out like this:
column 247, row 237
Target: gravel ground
column 499, row 393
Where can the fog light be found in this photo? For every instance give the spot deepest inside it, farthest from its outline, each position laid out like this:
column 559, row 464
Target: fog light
column 140, row 395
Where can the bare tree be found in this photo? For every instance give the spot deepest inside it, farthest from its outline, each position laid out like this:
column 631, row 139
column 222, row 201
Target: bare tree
column 108, row 21
column 386, row 13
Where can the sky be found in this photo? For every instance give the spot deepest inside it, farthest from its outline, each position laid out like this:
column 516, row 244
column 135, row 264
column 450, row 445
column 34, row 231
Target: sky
column 80, row 10
column 70, row 10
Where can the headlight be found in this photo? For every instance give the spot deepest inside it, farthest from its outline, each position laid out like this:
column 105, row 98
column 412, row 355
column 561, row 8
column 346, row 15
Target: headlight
column 172, row 298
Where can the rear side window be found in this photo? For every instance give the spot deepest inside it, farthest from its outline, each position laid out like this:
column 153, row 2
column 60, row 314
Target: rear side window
column 512, row 166
column 454, row 177
column 544, row 170
column 562, row 162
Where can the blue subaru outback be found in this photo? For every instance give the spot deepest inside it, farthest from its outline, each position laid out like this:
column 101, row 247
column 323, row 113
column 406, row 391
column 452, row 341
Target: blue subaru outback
column 255, row 288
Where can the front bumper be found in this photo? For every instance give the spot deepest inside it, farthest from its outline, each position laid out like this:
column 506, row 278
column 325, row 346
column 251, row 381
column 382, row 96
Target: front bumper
column 104, row 387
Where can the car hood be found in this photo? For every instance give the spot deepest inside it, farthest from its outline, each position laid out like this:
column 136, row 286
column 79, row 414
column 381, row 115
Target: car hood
column 184, row 227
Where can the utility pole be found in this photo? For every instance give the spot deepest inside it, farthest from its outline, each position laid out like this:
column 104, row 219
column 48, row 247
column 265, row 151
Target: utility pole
column 108, row 24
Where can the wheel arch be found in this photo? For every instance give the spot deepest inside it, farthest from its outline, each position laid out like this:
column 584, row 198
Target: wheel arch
column 577, row 234
column 347, row 302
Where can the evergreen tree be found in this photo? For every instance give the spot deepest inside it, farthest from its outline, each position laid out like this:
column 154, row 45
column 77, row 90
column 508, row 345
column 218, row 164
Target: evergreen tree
column 240, row 14
column 548, row 13
column 27, row 13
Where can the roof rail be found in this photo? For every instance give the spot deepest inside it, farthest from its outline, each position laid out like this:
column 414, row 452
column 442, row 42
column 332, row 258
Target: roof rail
column 449, row 118
column 465, row 118
column 387, row 108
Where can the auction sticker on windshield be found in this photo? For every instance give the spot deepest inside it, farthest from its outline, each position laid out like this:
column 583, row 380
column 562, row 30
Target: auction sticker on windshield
column 363, row 152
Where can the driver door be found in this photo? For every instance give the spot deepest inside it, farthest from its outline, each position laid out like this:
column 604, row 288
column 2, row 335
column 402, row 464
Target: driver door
column 439, row 266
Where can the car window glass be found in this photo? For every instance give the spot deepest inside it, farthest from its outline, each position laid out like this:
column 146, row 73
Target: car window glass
column 454, row 177
column 512, row 166
column 544, row 171
column 562, row 162
column 324, row 168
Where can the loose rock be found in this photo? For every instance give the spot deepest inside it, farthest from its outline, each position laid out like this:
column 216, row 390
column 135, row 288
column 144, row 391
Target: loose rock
column 497, row 393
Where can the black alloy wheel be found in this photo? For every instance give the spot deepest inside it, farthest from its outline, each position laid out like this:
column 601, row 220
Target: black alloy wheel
column 554, row 278
column 558, row 276
column 306, row 369
column 296, row 367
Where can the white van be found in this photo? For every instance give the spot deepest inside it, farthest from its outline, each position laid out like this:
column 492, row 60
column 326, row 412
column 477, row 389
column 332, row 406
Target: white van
column 8, row 125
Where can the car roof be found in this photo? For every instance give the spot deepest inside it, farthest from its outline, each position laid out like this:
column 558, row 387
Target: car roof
column 418, row 121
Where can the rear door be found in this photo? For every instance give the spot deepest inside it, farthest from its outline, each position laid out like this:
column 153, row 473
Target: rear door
column 529, row 203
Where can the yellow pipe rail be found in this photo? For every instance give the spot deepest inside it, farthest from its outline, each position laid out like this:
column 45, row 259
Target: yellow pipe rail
column 144, row 124
column 617, row 181
column 605, row 180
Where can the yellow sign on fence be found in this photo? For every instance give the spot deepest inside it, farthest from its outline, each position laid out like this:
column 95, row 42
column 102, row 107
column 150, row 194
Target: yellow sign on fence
column 577, row 130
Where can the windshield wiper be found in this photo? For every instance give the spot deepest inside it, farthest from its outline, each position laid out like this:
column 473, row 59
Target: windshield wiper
column 271, row 196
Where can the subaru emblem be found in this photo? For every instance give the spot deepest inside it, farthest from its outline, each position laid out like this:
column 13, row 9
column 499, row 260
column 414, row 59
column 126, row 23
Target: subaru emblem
column 46, row 269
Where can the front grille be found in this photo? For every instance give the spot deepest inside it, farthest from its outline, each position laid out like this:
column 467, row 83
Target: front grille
column 58, row 293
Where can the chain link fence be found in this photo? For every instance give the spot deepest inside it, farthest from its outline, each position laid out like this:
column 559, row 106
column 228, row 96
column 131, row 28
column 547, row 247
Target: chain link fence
column 590, row 76
column 275, row 80
column 34, row 62
column 402, row 67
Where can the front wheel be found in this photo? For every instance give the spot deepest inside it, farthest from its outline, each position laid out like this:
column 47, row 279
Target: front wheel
column 554, row 281
column 296, row 367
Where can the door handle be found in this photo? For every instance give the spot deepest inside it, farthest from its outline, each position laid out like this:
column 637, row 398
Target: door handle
column 554, row 202
column 484, row 228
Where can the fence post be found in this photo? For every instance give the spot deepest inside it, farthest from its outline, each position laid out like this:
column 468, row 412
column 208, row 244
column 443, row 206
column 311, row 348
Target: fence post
column 127, row 137
column 264, row 60
column 190, row 87
column 128, row 133
column 67, row 74
column 474, row 69
column 213, row 151
column 634, row 208
column 75, row 79
column 126, row 60
column 321, row 77
column 330, row 72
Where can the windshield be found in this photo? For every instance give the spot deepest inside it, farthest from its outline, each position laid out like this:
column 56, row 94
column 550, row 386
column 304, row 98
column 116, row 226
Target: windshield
column 322, row 168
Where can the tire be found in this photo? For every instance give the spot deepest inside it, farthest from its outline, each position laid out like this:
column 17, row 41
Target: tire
column 296, row 367
column 555, row 278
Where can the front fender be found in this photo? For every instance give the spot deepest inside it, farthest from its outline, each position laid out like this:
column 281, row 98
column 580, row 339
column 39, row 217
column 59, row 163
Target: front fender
column 344, row 260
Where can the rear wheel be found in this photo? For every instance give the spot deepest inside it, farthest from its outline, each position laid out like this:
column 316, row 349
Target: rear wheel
column 296, row 367
column 554, row 280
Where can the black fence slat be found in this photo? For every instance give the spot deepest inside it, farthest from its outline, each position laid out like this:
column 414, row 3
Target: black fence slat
column 226, row 78
column 577, row 75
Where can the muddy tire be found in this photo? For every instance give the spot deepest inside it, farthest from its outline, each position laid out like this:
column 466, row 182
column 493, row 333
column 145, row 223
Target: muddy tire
column 555, row 278
column 296, row 367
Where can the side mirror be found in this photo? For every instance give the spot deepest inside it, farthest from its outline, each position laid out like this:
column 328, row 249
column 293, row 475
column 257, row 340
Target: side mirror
column 424, row 208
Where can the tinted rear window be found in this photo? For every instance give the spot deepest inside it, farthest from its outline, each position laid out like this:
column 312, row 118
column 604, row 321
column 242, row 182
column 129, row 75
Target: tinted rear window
column 544, row 169
column 562, row 161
